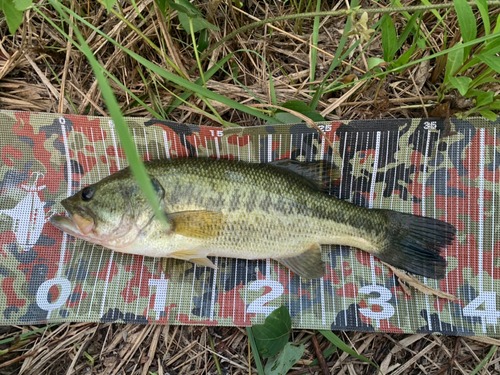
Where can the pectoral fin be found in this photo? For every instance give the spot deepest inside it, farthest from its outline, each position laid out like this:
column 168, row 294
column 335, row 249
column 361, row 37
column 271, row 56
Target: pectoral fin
column 197, row 224
column 308, row 265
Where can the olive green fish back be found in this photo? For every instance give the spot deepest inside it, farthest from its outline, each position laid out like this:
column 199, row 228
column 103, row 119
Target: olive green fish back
column 418, row 166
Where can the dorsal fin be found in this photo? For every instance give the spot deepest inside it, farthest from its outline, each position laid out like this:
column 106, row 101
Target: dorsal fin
column 317, row 173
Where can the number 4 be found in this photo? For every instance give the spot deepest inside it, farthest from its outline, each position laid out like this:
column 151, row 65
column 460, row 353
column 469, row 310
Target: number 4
column 490, row 312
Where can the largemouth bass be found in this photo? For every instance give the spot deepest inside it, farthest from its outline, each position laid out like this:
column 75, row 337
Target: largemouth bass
column 250, row 211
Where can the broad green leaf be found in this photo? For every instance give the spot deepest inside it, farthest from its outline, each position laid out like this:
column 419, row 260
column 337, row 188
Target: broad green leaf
column 485, row 98
column 373, row 62
column 162, row 5
column 461, row 84
column 272, row 336
column 466, row 21
column 285, row 118
column 490, row 115
column 335, row 340
column 22, row 4
column 482, row 5
column 454, row 62
column 185, row 7
column 314, row 116
column 296, row 105
column 491, row 60
column 494, row 105
column 389, row 38
column 198, row 23
column 13, row 15
column 289, row 356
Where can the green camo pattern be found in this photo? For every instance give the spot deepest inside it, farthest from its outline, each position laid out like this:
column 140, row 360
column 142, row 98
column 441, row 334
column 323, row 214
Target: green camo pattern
column 410, row 165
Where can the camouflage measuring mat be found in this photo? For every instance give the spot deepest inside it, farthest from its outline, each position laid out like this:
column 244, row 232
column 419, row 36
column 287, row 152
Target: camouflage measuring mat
column 413, row 166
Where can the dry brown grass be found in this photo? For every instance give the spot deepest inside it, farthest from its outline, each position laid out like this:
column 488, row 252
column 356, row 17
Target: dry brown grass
column 41, row 71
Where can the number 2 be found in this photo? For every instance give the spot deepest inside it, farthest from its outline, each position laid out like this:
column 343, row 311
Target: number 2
column 257, row 306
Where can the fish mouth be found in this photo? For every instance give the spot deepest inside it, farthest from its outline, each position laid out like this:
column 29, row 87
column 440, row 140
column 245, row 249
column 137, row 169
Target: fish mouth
column 74, row 224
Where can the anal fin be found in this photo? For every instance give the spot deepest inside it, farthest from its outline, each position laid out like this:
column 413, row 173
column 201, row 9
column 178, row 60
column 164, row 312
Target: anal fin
column 203, row 262
column 307, row 265
column 195, row 255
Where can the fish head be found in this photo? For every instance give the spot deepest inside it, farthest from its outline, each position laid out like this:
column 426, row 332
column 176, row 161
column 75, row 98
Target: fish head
column 112, row 212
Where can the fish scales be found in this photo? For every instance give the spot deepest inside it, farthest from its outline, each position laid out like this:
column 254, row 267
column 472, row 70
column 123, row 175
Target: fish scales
column 275, row 215
column 251, row 211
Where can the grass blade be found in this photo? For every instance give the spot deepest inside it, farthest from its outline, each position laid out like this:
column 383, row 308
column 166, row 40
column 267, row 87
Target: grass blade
column 314, row 51
column 485, row 360
column 389, row 38
column 482, row 5
column 466, row 21
column 255, row 351
column 335, row 340
column 135, row 162
column 201, row 91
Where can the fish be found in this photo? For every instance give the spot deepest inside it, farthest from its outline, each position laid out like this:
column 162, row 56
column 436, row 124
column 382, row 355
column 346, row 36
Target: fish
column 279, row 210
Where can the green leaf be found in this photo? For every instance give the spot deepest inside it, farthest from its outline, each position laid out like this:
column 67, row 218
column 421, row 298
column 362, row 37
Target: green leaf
column 272, row 336
column 289, row 356
column 485, row 98
column 454, row 62
column 373, row 62
column 486, row 359
column 198, row 23
column 490, row 115
column 297, row 106
column 108, row 4
column 203, row 41
column 184, row 7
column 327, row 353
column 335, row 340
column 22, row 4
column 497, row 25
column 408, row 29
column 13, row 15
column 285, row 118
column 162, row 5
column 494, row 105
column 482, row 5
column 389, row 38
column 405, row 57
column 491, row 60
column 461, row 84
column 421, row 43
column 466, row 21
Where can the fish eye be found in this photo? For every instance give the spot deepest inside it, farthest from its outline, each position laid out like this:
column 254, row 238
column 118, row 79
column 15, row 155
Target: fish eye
column 88, row 193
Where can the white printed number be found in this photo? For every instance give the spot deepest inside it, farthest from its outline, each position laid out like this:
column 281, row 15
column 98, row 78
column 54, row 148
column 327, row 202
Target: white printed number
column 161, row 295
column 42, row 294
column 257, row 306
column 325, row 128
column 490, row 313
column 430, row 125
column 384, row 296
column 217, row 133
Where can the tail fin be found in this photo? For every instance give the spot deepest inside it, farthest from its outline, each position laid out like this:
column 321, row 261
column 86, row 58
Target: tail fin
column 414, row 243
